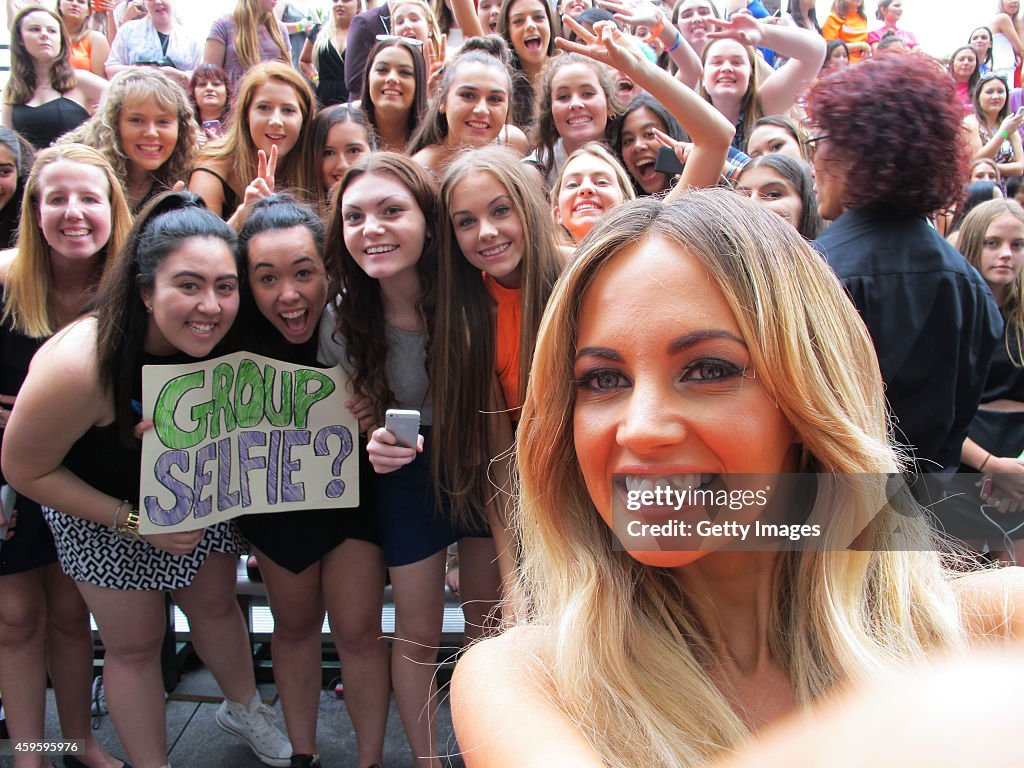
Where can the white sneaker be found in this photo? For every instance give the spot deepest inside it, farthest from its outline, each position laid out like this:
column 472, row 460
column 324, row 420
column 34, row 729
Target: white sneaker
column 257, row 727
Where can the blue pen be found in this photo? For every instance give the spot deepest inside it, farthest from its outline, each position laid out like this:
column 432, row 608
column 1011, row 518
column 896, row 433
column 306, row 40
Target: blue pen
column 137, row 408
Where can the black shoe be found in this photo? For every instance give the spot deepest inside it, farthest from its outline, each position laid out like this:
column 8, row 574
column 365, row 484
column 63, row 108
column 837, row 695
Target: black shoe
column 305, row 761
column 70, row 761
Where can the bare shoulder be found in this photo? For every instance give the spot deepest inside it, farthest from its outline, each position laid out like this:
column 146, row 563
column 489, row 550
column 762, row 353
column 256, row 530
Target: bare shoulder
column 992, row 603
column 71, row 352
column 515, row 139
column 7, row 256
column 502, row 715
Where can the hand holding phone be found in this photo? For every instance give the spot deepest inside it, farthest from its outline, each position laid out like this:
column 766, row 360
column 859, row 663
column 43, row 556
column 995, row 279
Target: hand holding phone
column 396, row 444
column 404, row 425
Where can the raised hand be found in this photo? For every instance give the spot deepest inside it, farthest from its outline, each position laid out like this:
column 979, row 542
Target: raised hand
column 263, row 185
column 636, row 13
column 742, row 27
column 606, row 44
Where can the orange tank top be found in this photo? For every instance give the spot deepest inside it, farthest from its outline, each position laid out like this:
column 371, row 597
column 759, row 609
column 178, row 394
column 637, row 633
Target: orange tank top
column 506, row 348
column 81, row 54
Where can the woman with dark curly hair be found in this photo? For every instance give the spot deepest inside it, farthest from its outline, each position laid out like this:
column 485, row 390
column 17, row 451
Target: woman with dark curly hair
column 146, row 130
column 931, row 316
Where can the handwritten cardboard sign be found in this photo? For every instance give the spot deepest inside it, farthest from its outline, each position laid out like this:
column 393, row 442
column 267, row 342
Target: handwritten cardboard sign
column 244, row 434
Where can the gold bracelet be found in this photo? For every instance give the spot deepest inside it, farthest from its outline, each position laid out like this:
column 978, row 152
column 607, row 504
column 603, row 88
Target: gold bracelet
column 117, row 512
column 129, row 529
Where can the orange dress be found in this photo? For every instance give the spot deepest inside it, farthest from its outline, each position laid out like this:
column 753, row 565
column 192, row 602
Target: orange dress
column 852, row 29
column 506, row 351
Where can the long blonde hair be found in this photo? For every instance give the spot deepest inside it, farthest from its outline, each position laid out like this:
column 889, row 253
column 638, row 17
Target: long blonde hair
column 249, row 17
column 621, row 651
column 28, row 289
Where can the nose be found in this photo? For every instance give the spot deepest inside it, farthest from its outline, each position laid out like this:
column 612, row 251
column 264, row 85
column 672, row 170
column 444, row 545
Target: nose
column 480, row 107
column 289, row 293
column 73, row 208
column 650, row 420
column 149, row 129
column 372, row 225
column 487, row 229
column 276, row 118
column 586, row 187
column 209, row 302
column 576, row 102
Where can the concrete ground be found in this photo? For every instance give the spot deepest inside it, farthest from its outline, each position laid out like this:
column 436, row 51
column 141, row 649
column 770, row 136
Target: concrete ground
column 197, row 742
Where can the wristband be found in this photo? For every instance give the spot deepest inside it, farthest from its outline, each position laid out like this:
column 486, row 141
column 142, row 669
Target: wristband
column 658, row 29
column 678, row 42
column 1004, row 134
column 982, row 467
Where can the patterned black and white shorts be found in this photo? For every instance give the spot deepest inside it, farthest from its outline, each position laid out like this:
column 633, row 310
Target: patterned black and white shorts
column 96, row 554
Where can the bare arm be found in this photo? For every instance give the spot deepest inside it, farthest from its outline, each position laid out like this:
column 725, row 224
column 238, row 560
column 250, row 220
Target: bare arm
column 93, row 87
column 306, row 60
column 466, row 18
column 1003, row 23
column 1016, row 167
column 59, row 402
column 6, row 115
column 215, row 53
column 644, row 13
column 208, row 187
column 99, row 50
column 502, row 720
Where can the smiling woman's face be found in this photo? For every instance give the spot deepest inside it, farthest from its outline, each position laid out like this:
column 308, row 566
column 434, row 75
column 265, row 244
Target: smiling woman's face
column 665, row 384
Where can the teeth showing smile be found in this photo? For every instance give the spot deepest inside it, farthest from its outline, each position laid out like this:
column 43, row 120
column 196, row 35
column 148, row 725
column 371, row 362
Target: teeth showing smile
column 477, row 125
column 580, row 120
column 294, row 314
column 496, row 251
column 588, row 205
column 76, row 232
column 373, row 250
column 675, row 482
column 202, row 328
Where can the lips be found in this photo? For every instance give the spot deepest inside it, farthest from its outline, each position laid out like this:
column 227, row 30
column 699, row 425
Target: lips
column 204, row 329
column 532, row 44
column 295, row 320
column 76, row 233
column 377, row 250
column 580, row 120
column 495, row 252
column 151, row 151
column 587, row 206
column 644, row 169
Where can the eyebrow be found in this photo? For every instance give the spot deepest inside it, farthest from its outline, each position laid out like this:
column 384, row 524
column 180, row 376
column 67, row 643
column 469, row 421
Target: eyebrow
column 268, row 265
column 474, row 87
column 492, row 202
column 379, row 203
column 190, row 273
column 675, row 346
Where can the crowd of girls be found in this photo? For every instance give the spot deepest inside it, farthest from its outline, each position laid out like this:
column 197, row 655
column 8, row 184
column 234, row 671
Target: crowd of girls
column 415, row 237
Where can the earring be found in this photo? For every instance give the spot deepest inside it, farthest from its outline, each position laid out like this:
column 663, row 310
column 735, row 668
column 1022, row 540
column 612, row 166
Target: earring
column 149, row 309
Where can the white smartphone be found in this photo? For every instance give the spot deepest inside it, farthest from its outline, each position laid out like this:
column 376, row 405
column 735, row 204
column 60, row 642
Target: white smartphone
column 404, row 425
